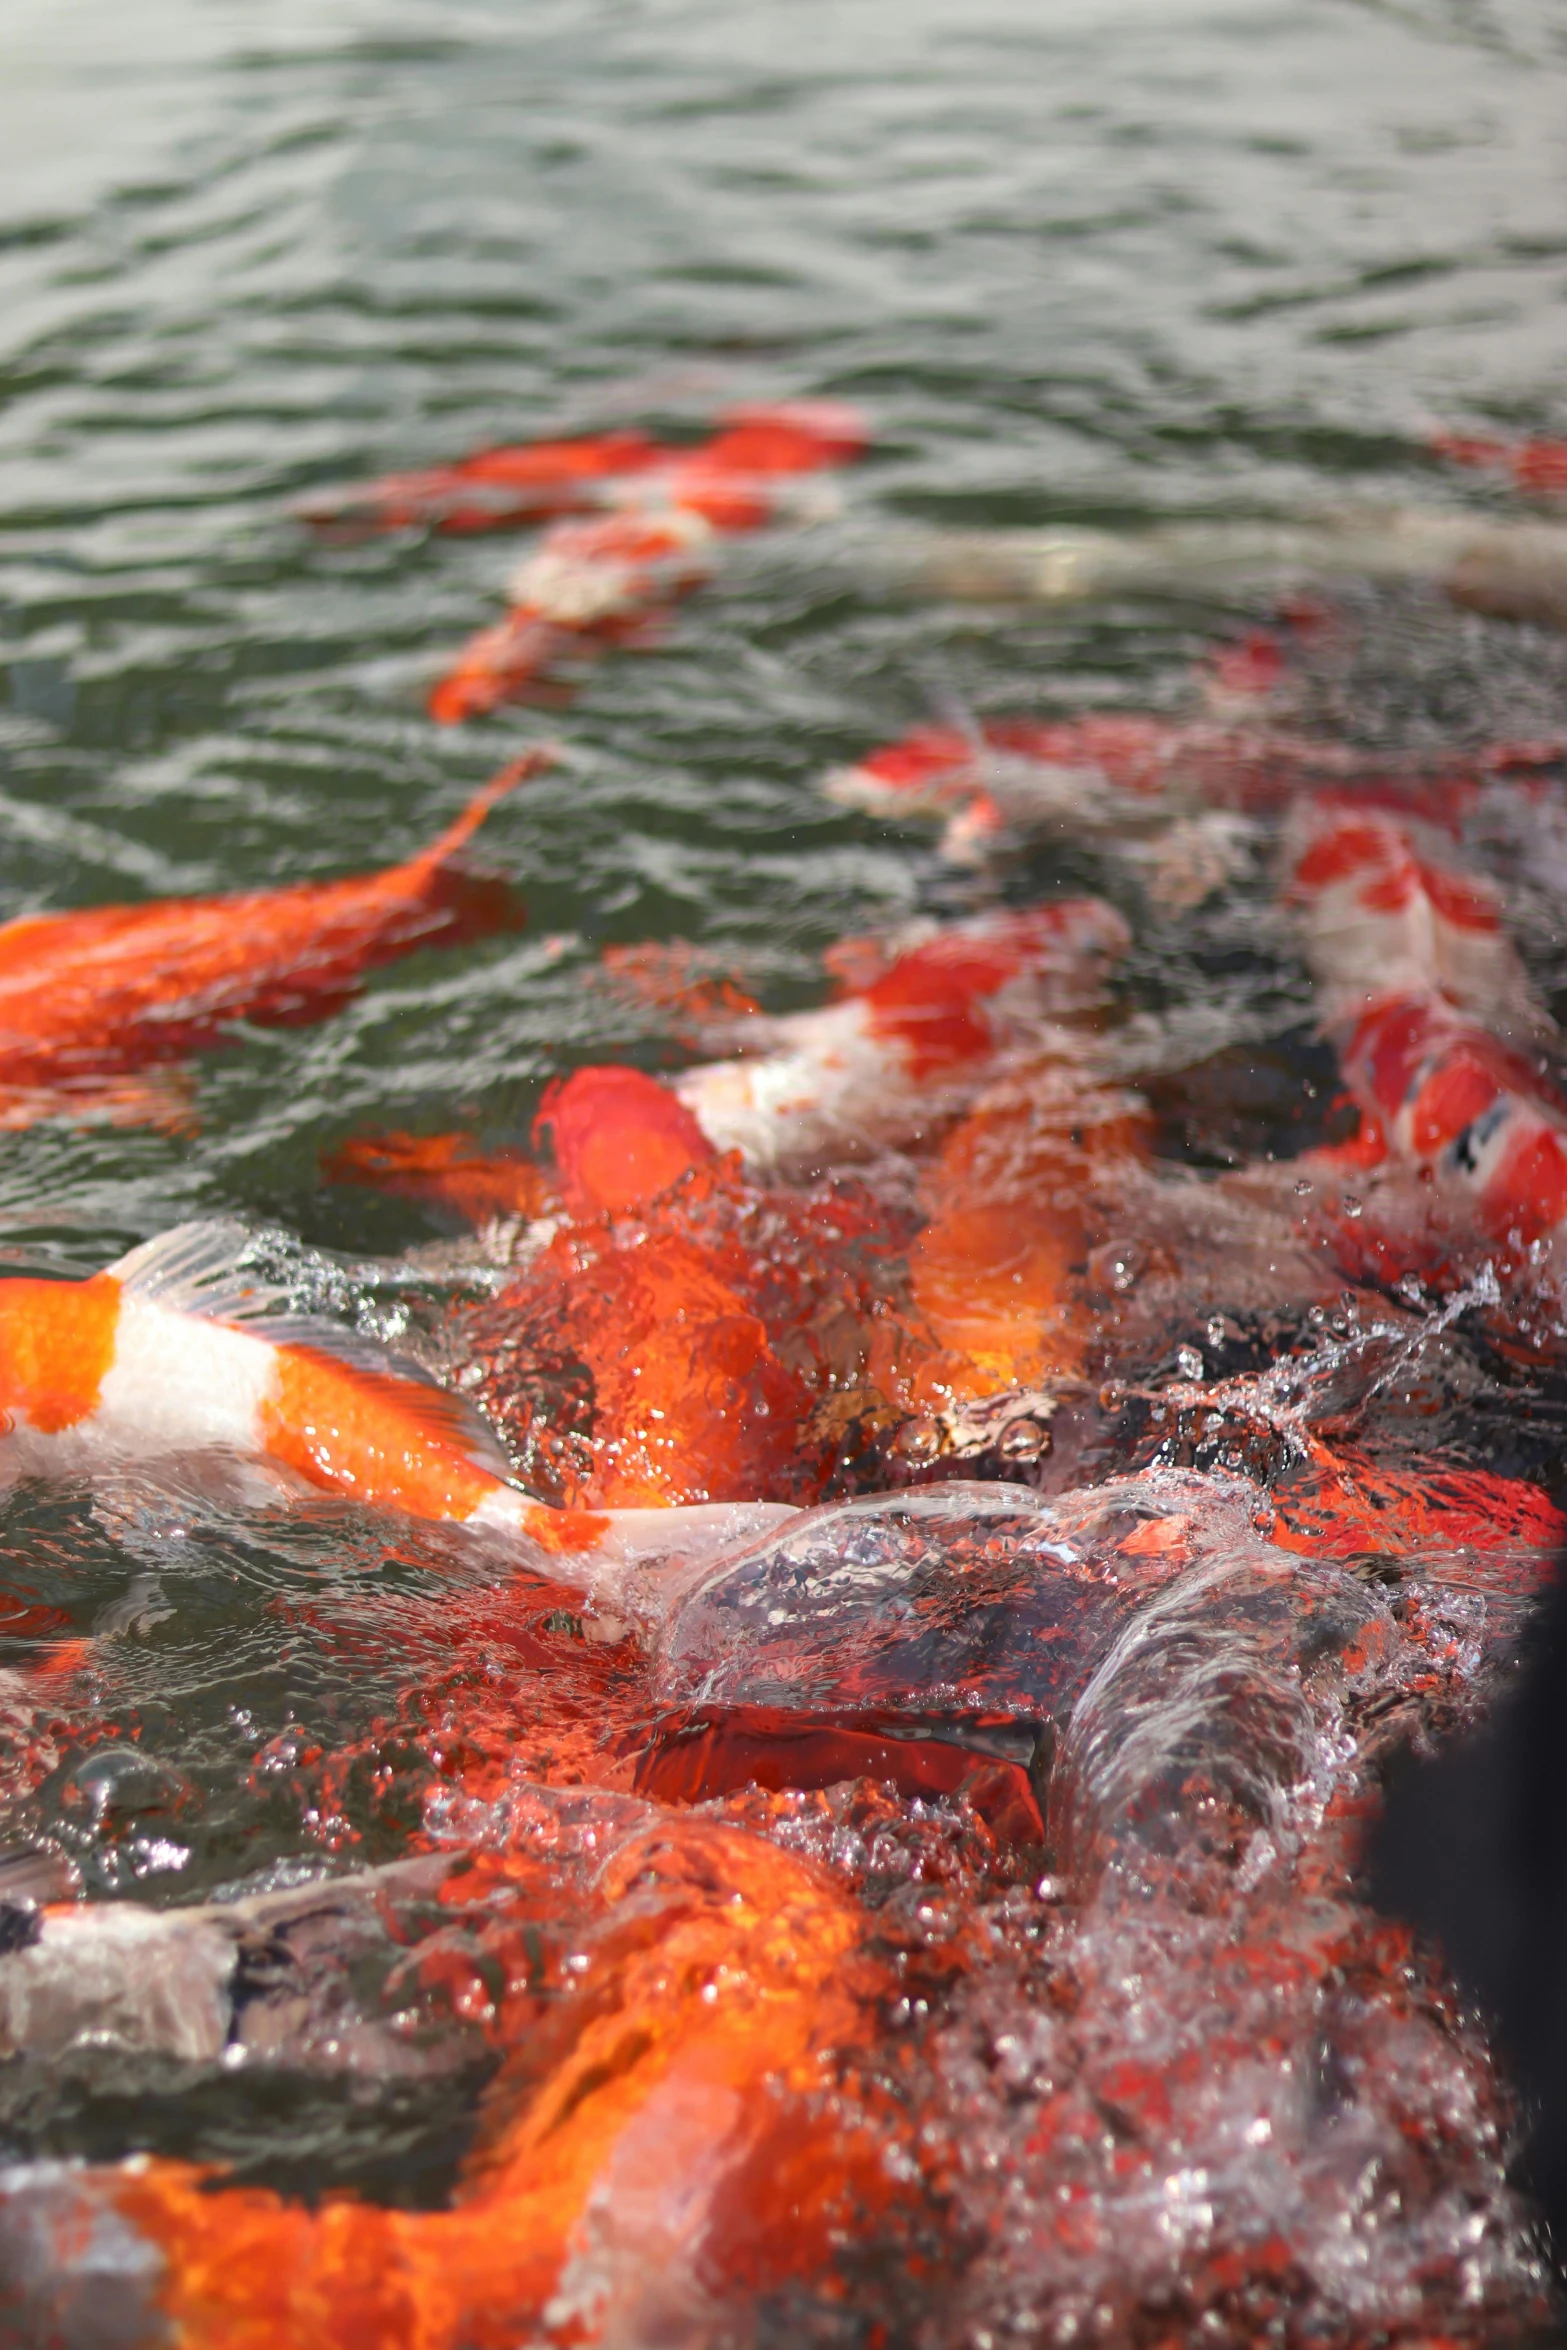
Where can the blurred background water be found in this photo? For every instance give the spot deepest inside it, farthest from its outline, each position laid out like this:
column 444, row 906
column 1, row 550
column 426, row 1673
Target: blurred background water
column 1098, row 260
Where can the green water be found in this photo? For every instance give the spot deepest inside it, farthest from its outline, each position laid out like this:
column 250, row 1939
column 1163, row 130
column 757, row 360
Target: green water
column 1096, row 261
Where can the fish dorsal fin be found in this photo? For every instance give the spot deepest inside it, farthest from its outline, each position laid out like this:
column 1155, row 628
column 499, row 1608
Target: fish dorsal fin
column 199, row 1269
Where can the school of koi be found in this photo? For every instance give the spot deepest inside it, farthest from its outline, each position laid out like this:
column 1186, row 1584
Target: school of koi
column 877, row 1863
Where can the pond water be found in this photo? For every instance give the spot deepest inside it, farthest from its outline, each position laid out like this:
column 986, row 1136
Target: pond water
column 1104, row 263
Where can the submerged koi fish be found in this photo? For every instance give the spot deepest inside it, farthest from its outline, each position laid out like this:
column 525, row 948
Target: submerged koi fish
column 492, row 490
column 1537, row 466
column 1514, row 569
column 598, row 582
column 656, row 2132
column 87, row 999
column 1115, row 776
column 171, row 1350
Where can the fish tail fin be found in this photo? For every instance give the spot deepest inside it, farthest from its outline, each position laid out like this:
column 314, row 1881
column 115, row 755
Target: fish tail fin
column 442, row 850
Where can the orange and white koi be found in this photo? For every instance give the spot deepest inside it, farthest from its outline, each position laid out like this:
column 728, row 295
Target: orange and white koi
column 171, row 1350
column 602, row 581
column 89, row 997
column 613, row 2191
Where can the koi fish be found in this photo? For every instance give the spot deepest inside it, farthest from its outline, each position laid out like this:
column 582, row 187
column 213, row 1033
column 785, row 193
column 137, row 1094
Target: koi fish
column 89, row 998
column 919, row 1022
column 447, row 1167
column 995, row 1270
column 1536, row 466
column 171, row 1349
column 876, row 1067
column 708, row 1315
column 618, row 2173
column 1432, row 1009
column 533, row 480
column 604, row 581
column 617, row 1137
column 591, row 584
column 1445, row 1096
column 1340, row 1503
column 693, row 1329
column 1384, row 912
column 1114, row 776
column 492, row 490
column 1516, row 570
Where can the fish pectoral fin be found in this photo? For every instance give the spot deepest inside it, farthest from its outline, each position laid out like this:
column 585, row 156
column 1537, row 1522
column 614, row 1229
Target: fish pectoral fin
column 199, row 1268
column 164, row 1099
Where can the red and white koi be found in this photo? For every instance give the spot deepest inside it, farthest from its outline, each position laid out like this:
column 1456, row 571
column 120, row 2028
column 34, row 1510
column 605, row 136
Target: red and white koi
column 880, row 1065
column 1444, row 1094
column 1115, row 776
column 597, row 582
column 1432, row 1012
column 1536, row 466
column 1384, row 911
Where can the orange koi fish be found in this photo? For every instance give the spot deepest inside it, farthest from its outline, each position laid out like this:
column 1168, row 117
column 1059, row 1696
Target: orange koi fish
column 600, row 582
column 708, row 1314
column 995, row 1271
column 89, row 998
column 662, row 2129
column 618, row 1139
column 1339, row 1503
column 447, row 1167
column 1538, row 467
column 171, row 1350
column 492, row 490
